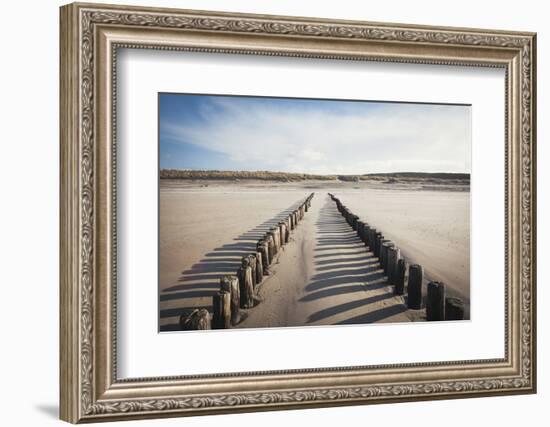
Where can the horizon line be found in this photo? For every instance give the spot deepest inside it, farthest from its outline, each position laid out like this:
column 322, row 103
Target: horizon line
column 309, row 173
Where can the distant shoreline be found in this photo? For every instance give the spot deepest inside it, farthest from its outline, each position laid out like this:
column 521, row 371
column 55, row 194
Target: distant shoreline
column 179, row 174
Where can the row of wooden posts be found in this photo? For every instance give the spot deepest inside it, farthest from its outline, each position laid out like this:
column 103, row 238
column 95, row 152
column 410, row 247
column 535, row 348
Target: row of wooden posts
column 438, row 307
column 239, row 291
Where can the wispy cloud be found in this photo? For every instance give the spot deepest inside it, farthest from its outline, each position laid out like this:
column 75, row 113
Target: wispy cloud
column 327, row 136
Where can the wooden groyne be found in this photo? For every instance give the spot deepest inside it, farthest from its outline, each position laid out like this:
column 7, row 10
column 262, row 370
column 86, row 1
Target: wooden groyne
column 406, row 278
column 239, row 291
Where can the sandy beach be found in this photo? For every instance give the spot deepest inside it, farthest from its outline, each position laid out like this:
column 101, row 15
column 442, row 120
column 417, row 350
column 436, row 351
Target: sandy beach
column 325, row 275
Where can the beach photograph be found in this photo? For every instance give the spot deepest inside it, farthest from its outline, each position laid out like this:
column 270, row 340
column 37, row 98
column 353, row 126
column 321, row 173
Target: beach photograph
column 295, row 212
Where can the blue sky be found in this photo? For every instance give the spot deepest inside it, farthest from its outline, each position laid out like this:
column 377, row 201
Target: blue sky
column 311, row 136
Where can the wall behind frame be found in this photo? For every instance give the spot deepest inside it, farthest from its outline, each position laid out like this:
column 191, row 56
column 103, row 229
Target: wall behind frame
column 29, row 171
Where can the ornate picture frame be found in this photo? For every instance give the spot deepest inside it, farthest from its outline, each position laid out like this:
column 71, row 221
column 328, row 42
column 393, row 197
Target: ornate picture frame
column 90, row 37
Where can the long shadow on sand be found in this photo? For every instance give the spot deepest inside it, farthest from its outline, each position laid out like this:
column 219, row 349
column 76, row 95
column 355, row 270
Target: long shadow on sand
column 345, row 267
column 202, row 280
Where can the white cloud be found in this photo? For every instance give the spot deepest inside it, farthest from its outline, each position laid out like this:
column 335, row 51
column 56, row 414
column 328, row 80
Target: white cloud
column 390, row 137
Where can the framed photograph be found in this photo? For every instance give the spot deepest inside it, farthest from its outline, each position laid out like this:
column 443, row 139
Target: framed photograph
column 267, row 212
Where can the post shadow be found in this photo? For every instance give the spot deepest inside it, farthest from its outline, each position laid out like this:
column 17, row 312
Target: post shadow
column 345, row 266
column 202, row 279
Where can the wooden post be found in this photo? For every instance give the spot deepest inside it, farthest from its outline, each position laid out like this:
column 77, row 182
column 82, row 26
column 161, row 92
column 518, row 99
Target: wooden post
column 378, row 238
column 372, row 238
column 354, row 219
column 288, row 229
column 366, row 233
column 263, row 248
column 383, row 254
column 252, row 263
column 274, row 234
column 195, row 320
column 282, row 231
column 360, row 229
column 414, row 287
column 435, row 303
column 271, row 247
column 400, row 277
column 454, row 309
column 259, row 267
column 231, row 284
column 221, row 310
column 246, row 285
column 277, row 235
column 393, row 255
column 291, row 222
column 384, row 249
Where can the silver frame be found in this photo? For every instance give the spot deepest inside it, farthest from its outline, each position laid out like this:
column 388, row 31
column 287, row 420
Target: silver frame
column 90, row 37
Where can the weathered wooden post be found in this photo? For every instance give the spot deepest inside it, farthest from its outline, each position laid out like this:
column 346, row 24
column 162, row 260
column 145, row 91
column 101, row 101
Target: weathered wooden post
column 384, row 250
column 276, row 238
column 454, row 309
column 435, row 303
column 359, row 228
column 378, row 239
column 263, row 248
column 366, row 233
column 195, row 320
column 259, row 267
column 287, row 230
column 231, row 284
column 400, row 277
column 393, row 255
column 414, row 287
column 354, row 219
column 291, row 222
column 245, row 284
column 221, row 310
column 271, row 247
column 252, row 263
column 372, row 238
column 282, row 231
column 385, row 246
